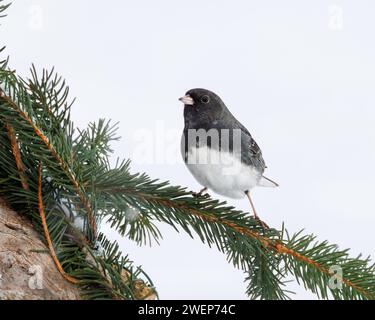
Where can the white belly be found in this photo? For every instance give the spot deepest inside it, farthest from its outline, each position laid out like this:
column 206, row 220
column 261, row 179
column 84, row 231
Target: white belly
column 222, row 172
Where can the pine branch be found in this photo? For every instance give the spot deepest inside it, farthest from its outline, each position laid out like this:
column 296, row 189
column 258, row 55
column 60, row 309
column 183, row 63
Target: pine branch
column 298, row 254
column 77, row 188
column 95, row 270
column 20, row 114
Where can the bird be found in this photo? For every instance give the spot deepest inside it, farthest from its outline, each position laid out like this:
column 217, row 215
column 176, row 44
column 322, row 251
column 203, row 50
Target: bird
column 219, row 151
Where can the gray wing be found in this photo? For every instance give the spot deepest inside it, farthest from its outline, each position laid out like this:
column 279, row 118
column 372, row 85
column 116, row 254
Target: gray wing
column 252, row 155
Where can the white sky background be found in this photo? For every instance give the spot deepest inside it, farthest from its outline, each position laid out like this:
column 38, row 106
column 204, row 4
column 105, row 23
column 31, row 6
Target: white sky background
column 299, row 74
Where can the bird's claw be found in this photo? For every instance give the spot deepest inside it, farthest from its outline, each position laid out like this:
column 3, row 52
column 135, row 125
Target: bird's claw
column 200, row 193
column 262, row 223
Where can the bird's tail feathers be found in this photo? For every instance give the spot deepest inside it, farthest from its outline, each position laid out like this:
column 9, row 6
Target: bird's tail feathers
column 265, row 182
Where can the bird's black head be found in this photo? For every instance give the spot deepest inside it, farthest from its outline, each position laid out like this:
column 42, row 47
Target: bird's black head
column 202, row 106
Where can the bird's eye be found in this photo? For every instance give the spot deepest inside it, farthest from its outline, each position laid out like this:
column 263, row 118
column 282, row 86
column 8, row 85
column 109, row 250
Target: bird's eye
column 205, row 99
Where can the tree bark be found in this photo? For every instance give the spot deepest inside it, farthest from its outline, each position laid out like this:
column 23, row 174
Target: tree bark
column 27, row 272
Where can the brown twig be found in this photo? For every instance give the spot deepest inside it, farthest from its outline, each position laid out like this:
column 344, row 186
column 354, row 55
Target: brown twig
column 47, row 234
column 17, row 155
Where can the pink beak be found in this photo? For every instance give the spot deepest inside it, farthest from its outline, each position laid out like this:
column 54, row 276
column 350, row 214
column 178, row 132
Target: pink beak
column 187, row 100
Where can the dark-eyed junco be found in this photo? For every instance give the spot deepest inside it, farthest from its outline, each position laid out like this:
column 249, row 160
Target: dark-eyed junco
column 218, row 150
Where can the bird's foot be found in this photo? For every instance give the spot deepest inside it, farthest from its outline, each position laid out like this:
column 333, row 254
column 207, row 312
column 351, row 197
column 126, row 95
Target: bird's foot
column 256, row 217
column 201, row 193
column 262, row 223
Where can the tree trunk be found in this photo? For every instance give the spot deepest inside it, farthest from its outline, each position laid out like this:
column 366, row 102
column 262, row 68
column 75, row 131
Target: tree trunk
column 27, row 271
